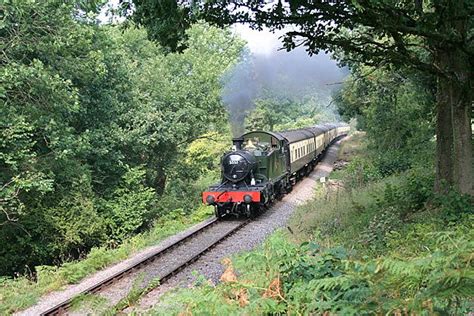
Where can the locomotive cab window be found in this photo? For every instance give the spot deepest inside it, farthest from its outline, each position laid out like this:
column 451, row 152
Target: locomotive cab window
column 255, row 145
column 260, row 144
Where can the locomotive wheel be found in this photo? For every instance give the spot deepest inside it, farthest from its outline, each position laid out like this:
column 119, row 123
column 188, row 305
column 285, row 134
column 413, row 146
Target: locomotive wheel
column 217, row 212
column 279, row 196
column 250, row 210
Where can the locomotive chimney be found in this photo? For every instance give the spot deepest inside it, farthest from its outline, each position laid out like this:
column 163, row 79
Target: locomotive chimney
column 238, row 141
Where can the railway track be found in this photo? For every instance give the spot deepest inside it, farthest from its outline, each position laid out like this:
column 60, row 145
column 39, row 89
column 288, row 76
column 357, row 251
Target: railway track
column 167, row 262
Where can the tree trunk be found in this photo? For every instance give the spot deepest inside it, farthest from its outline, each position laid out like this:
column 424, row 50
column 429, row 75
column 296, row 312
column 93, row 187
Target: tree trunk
column 455, row 100
column 157, row 178
column 461, row 102
column 453, row 130
column 463, row 168
column 444, row 138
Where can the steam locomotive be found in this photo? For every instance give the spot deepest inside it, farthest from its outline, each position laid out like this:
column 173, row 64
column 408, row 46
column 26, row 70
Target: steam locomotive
column 262, row 166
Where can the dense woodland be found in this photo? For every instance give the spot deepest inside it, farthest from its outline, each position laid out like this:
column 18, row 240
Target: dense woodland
column 108, row 131
column 96, row 123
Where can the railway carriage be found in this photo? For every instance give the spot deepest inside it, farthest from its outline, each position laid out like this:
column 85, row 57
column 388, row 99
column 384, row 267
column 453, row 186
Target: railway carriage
column 264, row 165
column 301, row 151
column 342, row 129
column 320, row 138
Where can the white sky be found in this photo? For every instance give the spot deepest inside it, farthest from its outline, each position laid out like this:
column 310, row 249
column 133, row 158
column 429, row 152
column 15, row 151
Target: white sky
column 259, row 42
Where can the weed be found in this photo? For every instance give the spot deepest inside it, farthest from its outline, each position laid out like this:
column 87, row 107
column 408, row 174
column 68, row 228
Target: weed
column 88, row 301
column 132, row 297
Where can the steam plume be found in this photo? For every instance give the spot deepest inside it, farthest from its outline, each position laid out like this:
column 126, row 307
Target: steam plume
column 292, row 75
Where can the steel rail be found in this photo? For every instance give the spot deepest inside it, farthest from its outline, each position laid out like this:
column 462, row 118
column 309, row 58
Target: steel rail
column 65, row 305
column 183, row 265
column 202, row 252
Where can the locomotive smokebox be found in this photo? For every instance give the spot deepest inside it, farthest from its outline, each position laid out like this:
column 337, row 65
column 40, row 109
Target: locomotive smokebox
column 237, row 165
column 238, row 141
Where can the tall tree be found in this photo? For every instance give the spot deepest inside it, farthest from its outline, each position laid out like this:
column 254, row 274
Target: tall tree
column 432, row 36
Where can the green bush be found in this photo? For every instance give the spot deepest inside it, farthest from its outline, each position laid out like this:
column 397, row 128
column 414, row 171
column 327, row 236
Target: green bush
column 411, row 194
column 130, row 206
column 454, row 205
column 360, row 171
column 391, row 162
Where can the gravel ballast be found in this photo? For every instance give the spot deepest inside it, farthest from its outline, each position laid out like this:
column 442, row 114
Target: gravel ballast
column 157, row 269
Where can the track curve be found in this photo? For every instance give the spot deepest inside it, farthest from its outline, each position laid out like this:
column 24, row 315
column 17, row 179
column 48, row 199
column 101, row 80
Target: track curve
column 160, row 265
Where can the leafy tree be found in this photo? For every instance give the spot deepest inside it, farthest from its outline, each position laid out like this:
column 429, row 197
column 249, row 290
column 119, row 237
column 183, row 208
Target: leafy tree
column 433, row 37
column 129, row 208
column 196, row 169
column 46, row 58
column 267, row 114
column 179, row 96
column 395, row 108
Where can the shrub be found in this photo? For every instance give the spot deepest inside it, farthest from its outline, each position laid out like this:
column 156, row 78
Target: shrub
column 390, row 162
column 130, row 207
column 359, row 172
column 454, row 205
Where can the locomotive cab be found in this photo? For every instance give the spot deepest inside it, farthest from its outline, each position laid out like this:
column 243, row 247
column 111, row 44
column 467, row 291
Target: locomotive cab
column 269, row 151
